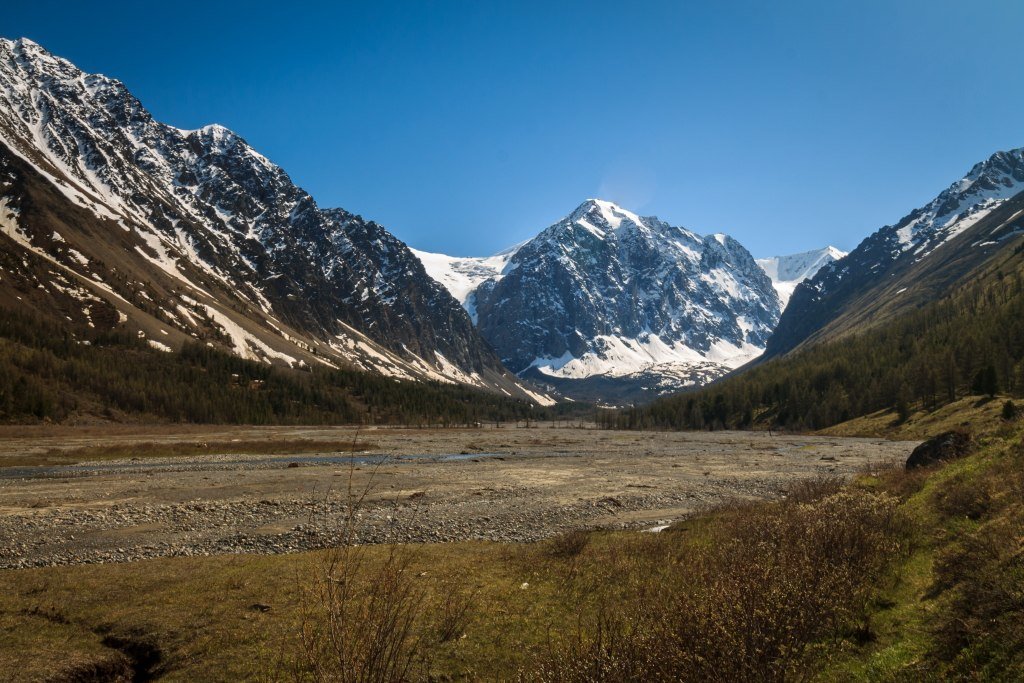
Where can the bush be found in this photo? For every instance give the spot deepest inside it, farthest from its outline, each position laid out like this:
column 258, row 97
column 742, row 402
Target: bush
column 982, row 578
column 455, row 610
column 962, row 496
column 901, row 482
column 360, row 620
column 749, row 602
column 568, row 544
column 357, row 621
column 814, row 488
column 978, row 583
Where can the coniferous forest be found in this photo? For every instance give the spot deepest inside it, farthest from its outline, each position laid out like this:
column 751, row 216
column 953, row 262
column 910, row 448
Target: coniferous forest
column 49, row 373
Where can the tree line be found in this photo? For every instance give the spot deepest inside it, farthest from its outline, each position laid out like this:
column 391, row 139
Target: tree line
column 49, row 372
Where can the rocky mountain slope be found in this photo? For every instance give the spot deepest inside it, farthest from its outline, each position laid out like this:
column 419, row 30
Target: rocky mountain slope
column 913, row 262
column 109, row 217
column 786, row 272
column 608, row 305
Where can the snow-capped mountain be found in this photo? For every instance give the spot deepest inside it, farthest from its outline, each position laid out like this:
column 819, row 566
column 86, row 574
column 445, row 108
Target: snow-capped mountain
column 193, row 234
column 913, row 261
column 607, row 304
column 786, row 272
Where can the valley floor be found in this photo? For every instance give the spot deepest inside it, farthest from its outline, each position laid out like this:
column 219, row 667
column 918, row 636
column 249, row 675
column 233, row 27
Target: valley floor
column 90, row 495
column 184, row 545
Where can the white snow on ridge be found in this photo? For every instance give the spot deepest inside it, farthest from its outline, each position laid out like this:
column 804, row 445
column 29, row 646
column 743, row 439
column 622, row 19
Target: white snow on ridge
column 614, row 354
column 98, row 146
column 614, row 214
column 462, row 275
column 988, row 185
column 786, row 272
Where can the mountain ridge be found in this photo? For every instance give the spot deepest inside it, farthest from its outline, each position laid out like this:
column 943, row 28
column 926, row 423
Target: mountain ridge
column 219, row 240
column 897, row 260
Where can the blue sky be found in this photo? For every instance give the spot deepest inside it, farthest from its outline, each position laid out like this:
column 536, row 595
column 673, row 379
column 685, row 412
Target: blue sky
column 465, row 127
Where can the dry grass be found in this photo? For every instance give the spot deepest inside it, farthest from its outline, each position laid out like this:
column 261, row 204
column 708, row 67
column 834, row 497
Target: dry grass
column 748, row 599
column 747, row 592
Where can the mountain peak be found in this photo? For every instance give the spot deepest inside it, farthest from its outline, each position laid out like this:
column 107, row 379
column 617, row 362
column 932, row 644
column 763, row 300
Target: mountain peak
column 31, row 50
column 987, row 185
column 603, row 214
column 608, row 298
column 972, row 215
column 216, row 129
column 217, row 134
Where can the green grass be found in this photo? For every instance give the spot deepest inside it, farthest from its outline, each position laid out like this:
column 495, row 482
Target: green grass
column 910, row 617
column 898, row 625
column 977, row 413
column 200, row 611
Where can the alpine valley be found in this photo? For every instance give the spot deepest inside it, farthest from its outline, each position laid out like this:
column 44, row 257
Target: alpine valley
column 113, row 220
column 244, row 436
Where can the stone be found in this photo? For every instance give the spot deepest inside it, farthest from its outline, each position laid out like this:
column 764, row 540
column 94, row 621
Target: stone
column 946, row 446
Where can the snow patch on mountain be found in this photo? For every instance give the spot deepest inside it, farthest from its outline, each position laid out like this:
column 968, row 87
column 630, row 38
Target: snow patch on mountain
column 786, row 272
column 224, row 224
column 891, row 252
column 621, row 356
column 461, row 275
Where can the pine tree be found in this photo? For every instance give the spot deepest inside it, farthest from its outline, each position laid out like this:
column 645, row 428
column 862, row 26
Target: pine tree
column 986, row 381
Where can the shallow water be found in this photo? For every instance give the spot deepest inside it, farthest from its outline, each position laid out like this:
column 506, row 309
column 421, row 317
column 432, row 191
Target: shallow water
column 276, row 462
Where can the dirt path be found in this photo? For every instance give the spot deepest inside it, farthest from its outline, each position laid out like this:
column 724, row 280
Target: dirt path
column 424, row 485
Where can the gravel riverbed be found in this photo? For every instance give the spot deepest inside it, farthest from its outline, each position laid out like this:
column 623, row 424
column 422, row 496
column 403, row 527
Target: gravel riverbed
column 420, row 486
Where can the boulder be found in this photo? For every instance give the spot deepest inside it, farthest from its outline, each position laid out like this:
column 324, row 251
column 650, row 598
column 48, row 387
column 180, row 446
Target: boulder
column 946, row 446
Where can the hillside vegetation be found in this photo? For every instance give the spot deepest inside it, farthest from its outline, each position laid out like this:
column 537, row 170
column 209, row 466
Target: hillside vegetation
column 58, row 373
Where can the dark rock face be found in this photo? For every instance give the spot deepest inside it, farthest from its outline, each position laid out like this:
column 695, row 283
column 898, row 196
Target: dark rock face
column 946, row 446
column 894, row 250
column 604, row 281
column 204, row 204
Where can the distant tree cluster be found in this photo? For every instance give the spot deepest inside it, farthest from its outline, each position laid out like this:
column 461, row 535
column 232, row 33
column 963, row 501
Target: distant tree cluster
column 51, row 372
column 971, row 342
